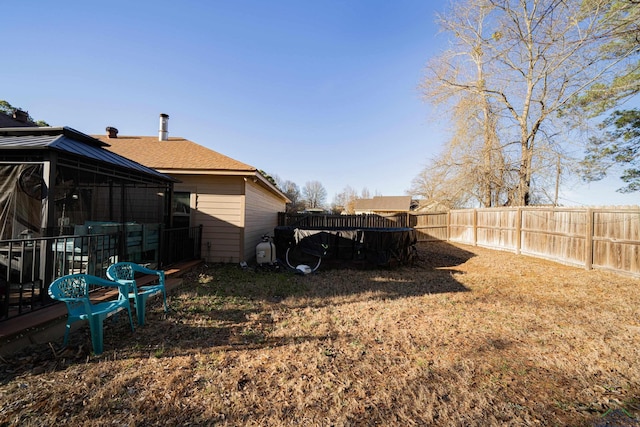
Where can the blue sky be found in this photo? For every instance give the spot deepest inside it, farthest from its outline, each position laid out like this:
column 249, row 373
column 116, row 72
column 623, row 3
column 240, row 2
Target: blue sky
column 308, row 90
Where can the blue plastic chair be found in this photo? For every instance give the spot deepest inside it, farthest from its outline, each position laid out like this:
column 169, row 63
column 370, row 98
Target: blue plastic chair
column 73, row 289
column 124, row 272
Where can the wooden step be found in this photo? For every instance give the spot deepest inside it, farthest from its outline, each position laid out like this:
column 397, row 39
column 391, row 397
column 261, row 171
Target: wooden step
column 22, row 330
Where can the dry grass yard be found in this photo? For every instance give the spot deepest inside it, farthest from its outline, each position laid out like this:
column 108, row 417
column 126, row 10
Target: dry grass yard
column 467, row 337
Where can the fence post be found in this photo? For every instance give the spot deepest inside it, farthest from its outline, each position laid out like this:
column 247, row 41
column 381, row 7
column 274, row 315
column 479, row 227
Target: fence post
column 588, row 262
column 519, row 213
column 475, row 227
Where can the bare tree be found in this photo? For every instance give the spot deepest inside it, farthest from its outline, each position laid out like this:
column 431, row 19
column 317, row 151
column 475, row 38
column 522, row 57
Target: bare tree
column 292, row 191
column 441, row 183
column 473, row 110
column 522, row 63
column 315, row 195
column 345, row 201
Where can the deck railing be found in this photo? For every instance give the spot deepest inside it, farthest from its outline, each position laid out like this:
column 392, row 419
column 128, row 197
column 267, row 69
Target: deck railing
column 180, row 244
column 28, row 266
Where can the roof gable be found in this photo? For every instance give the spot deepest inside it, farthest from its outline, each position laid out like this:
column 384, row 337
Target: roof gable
column 175, row 153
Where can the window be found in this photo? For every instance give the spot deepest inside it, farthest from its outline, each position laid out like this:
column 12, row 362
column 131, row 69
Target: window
column 181, row 209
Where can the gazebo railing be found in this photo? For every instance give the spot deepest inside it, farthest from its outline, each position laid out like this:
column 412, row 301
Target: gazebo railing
column 28, row 266
column 180, row 244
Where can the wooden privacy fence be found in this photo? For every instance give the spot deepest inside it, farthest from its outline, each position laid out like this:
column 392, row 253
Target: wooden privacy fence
column 601, row 238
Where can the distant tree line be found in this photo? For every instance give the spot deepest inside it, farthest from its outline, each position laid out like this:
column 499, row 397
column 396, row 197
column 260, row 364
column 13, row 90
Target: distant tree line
column 313, row 195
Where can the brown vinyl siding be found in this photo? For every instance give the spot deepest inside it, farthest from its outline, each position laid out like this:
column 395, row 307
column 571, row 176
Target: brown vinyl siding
column 218, row 209
column 261, row 216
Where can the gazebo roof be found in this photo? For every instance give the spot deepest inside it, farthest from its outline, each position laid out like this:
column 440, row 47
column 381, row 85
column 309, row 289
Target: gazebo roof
column 72, row 142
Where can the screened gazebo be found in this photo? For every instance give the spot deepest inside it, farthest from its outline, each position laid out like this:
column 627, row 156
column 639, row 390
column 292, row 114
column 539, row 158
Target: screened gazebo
column 69, row 205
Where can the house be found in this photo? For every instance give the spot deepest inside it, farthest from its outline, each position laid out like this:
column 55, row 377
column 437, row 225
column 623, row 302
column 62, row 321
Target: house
column 383, row 205
column 19, row 118
column 233, row 201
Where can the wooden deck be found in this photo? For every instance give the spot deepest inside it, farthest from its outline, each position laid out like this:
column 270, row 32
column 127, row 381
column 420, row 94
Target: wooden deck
column 48, row 324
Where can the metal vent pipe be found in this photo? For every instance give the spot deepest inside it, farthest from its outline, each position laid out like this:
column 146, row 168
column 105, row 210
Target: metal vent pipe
column 163, row 134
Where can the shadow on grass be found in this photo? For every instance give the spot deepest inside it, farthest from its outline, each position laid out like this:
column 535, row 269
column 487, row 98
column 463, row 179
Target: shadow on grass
column 434, row 272
column 227, row 308
column 224, row 309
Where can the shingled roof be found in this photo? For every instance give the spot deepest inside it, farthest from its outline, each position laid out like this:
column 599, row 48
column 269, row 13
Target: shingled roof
column 384, row 204
column 173, row 154
column 19, row 120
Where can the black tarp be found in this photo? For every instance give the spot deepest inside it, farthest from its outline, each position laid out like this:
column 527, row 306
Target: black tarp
column 378, row 246
column 22, row 190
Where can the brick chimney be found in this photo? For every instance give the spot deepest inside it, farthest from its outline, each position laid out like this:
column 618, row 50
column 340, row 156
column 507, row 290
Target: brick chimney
column 21, row 116
column 163, row 134
column 112, row 132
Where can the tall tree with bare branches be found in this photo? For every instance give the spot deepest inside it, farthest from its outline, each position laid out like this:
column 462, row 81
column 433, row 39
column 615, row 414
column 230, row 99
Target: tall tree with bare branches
column 315, row 195
column 292, row 191
column 345, row 201
column 517, row 67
